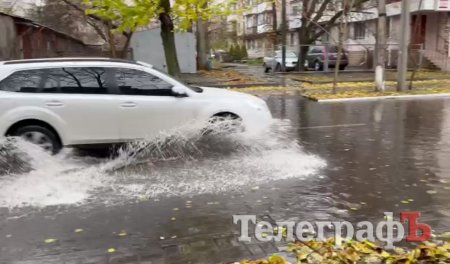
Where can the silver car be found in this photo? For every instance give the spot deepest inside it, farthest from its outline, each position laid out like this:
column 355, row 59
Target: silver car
column 274, row 63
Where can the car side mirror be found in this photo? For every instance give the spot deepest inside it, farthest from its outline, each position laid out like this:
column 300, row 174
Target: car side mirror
column 178, row 91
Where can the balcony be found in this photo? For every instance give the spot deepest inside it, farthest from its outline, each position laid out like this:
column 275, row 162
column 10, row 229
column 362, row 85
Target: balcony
column 394, row 8
column 295, row 22
column 260, row 8
column 264, row 28
column 251, row 30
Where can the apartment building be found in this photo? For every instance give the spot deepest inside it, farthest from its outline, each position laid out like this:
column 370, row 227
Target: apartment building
column 259, row 28
column 430, row 27
column 262, row 25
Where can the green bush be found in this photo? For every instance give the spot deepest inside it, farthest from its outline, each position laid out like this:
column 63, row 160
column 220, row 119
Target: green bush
column 243, row 52
column 238, row 52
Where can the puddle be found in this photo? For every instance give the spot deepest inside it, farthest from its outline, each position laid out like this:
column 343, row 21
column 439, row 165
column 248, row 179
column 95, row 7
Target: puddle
column 183, row 162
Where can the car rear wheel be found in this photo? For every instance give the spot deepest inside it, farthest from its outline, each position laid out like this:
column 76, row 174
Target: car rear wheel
column 306, row 65
column 342, row 67
column 266, row 69
column 41, row 136
column 318, row 66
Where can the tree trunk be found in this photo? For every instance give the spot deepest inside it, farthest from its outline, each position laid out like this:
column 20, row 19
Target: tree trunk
column 339, row 55
column 168, row 39
column 342, row 30
column 274, row 26
column 202, row 58
column 303, row 35
column 126, row 46
column 284, row 28
column 111, row 41
column 303, row 49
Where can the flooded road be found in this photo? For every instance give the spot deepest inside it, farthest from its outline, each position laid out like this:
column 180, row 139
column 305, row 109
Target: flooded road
column 173, row 202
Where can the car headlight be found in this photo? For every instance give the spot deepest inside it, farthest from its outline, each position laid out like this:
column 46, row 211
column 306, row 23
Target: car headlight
column 255, row 104
column 258, row 104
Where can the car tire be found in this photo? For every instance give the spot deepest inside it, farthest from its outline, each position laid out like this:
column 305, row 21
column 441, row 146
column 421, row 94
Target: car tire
column 306, row 65
column 342, row 67
column 278, row 68
column 227, row 123
column 41, row 136
column 318, row 66
column 266, row 69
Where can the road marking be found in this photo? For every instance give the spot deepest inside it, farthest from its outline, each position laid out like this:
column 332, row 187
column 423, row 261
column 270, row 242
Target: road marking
column 343, row 125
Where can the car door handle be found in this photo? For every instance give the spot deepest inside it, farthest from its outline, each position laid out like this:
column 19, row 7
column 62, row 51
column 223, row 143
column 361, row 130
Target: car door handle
column 54, row 103
column 128, row 104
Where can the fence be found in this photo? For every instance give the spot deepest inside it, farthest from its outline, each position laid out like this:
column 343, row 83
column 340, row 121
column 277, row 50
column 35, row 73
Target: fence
column 356, row 56
column 77, row 51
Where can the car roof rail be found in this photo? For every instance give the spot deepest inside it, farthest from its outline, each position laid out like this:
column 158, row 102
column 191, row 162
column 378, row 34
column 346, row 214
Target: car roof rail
column 74, row 59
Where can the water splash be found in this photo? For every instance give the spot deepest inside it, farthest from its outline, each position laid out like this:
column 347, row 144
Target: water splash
column 186, row 161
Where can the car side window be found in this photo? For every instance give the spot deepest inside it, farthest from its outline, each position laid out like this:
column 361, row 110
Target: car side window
column 22, row 81
column 80, row 80
column 135, row 82
column 316, row 50
column 58, row 80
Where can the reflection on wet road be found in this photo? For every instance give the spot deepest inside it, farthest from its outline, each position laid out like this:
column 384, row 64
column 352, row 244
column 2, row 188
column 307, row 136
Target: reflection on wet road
column 377, row 155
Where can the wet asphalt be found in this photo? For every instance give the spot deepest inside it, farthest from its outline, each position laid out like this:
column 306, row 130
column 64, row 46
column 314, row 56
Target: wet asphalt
column 378, row 154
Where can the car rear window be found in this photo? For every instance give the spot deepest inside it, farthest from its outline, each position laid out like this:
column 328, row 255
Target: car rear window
column 70, row 80
column 333, row 49
column 21, row 81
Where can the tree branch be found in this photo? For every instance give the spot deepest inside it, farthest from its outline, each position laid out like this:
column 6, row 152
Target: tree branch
column 320, row 12
column 331, row 23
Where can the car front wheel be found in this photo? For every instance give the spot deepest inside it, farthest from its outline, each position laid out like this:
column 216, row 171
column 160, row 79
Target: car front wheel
column 317, row 66
column 41, row 136
column 278, row 68
column 225, row 123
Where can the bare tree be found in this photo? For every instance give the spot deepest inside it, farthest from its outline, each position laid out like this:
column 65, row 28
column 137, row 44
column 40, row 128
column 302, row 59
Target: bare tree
column 348, row 4
column 69, row 16
column 314, row 24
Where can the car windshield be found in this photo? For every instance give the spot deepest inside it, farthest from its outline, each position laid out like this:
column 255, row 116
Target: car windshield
column 289, row 54
column 194, row 88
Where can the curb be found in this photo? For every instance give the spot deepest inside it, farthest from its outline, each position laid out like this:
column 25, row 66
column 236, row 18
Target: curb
column 374, row 98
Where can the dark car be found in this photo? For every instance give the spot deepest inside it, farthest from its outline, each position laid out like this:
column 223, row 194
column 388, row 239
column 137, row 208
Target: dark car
column 223, row 56
column 315, row 58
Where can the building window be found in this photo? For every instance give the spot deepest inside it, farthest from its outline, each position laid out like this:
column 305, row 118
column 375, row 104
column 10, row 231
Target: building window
column 260, row 19
column 295, row 11
column 359, row 30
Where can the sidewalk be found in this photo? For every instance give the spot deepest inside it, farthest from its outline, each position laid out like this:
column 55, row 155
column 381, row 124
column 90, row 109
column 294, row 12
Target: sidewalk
column 234, row 75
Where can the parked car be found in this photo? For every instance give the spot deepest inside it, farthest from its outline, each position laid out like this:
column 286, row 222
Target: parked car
column 274, row 63
column 223, row 56
column 80, row 101
column 315, row 58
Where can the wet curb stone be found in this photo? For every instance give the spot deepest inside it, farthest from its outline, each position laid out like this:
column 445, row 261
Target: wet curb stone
column 412, row 96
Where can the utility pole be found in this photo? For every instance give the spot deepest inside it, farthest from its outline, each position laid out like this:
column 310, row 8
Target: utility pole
column 283, row 35
column 404, row 43
column 274, row 26
column 380, row 47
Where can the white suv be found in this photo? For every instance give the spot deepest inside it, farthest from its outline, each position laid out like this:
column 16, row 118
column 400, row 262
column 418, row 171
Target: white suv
column 84, row 101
